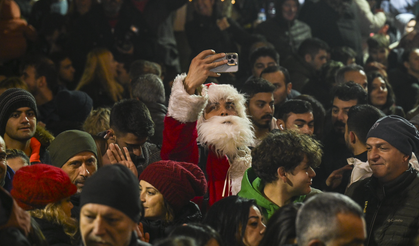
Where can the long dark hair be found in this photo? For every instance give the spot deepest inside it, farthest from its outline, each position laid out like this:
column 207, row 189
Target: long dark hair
column 390, row 93
column 281, row 226
column 229, row 218
column 200, row 232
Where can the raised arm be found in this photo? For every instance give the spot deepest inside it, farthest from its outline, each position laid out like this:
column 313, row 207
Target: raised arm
column 185, row 105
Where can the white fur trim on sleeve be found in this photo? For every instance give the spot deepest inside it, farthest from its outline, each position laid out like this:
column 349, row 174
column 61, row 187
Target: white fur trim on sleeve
column 182, row 106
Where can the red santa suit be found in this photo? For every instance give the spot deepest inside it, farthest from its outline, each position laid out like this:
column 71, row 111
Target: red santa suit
column 226, row 137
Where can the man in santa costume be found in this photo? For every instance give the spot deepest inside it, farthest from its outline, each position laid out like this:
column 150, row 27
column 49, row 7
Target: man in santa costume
column 215, row 116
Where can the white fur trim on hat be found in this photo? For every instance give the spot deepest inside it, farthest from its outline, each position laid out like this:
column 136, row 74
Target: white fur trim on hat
column 217, row 92
column 182, row 106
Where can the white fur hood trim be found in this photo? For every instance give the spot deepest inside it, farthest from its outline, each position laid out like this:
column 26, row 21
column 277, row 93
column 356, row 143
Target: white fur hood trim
column 182, row 106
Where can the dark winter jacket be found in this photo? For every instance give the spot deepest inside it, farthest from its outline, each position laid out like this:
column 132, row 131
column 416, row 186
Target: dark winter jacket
column 203, row 33
column 158, row 230
column 54, row 233
column 93, row 30
column 285, row 35
column 15, row 223
column 44, row 138
column 157, row 111
column 134, row 241
column 406, row 88
column 391, row 209
column 300, row 71
column 336, row 29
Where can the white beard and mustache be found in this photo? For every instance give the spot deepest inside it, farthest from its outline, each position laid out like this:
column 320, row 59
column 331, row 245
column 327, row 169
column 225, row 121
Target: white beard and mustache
column 226, row 134
column 231, row 136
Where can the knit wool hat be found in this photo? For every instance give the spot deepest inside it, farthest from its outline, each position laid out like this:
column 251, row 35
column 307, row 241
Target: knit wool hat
column 398, row 132
column 36, row 186
column 179, row 182
column 114, row 186
column 73, row 106
column 10, row 101
column 70, row 143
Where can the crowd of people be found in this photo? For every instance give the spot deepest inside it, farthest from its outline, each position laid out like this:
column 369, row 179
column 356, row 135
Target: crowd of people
column 108, row 138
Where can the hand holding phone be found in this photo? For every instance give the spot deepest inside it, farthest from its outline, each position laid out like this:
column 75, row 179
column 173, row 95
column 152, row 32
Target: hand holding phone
column 231, row 66
column 200, row 69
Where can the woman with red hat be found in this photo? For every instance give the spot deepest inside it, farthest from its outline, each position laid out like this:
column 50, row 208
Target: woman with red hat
column 45, row 191
column 166, row 190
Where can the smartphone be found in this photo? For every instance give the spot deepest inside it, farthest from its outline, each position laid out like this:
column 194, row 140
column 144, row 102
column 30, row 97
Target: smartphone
column 231, row 66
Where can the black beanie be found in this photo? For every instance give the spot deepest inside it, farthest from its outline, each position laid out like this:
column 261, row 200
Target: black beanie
column 114, row 186
column 68, row 144
column 10, row 101
column 398, row 132
column 73, row 106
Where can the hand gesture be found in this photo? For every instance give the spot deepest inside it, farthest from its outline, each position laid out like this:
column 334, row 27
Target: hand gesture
column 115, row 156
column 223, row 23
column 200, row 67
column 139, row 229
column 335, row 178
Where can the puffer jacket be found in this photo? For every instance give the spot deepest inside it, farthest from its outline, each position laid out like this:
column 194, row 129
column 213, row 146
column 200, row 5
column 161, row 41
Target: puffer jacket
column 391, row 210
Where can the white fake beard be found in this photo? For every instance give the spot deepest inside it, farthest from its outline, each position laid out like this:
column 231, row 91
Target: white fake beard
column 226, row 134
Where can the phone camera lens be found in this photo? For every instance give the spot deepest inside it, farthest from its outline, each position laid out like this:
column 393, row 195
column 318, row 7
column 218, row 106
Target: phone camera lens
column 229, row 57
column 234, row 56
column 231, row 61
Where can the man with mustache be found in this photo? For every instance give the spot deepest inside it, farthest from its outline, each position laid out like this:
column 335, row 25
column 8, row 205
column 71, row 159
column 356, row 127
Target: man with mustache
column 111, row 208
column 260, row 106
column 345, row 96
column 360, row 119
column 296, row 114
column 215, row 116
column 75, row 153
column 131, row 128
column 390, row 196
column 18, row 120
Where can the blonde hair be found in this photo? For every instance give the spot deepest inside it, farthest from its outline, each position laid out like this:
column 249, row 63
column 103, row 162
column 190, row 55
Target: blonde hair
column 97, row 121
column 13, row 82
column 97, row 69
column 54, row 213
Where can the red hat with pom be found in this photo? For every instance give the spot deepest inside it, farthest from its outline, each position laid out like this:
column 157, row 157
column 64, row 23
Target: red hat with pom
column 38, row 185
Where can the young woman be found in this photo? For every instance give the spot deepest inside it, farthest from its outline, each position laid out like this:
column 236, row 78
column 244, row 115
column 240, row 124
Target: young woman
column 204, row 235
column 166, row 190
column 99, row 79
column 45, row 191
column 381, row 95
column 237, row 220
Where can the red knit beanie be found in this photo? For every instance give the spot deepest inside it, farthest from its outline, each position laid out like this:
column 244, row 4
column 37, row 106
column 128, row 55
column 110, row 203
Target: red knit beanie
column 38, row 185
column 179, row 182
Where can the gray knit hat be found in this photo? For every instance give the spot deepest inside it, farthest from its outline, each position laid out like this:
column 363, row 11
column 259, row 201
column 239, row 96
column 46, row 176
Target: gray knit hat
column 11, row 100
column 398, row 132
column 68, row 144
